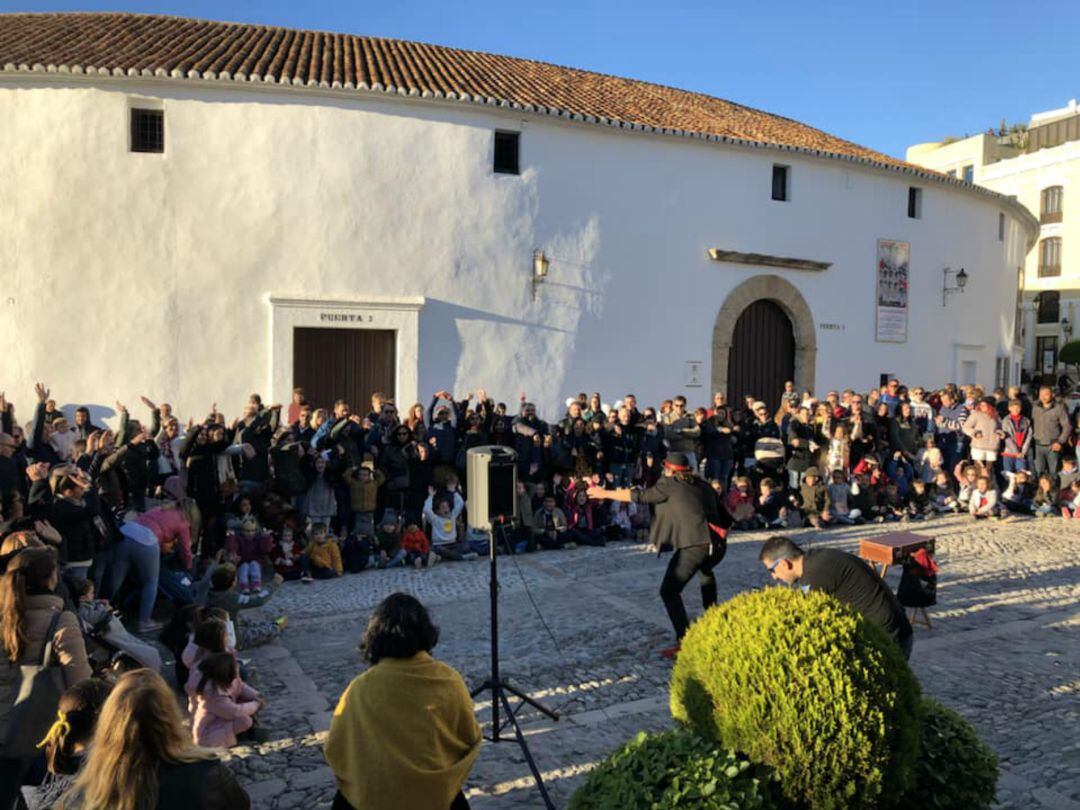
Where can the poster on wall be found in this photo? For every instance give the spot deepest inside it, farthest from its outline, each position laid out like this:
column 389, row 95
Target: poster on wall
column 892, row 290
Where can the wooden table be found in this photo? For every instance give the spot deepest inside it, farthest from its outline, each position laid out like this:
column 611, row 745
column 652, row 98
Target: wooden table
column 892, row 549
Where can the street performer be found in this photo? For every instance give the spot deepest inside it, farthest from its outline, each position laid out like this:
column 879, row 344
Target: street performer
column 690, row 519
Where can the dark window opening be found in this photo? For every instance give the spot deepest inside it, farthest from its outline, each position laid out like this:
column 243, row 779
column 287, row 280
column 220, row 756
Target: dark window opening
column 1001, row 227
column 507, row 150
column 914, row 203
column 1048, row 305
column 780, row 176
column 147, row 130
column 1046, row 354
column 969, row 173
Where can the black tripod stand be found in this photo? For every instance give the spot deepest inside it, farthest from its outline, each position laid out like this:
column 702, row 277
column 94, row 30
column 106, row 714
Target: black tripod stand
column 497, row 685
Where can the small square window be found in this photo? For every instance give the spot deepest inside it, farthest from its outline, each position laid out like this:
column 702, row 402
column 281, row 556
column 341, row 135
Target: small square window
column 507, row 151
column 951, row 173
column 147, row 130
column 914, row 203
column 781, row 182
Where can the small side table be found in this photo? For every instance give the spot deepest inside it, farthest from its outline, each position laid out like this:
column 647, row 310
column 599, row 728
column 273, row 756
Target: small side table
column 892, row 549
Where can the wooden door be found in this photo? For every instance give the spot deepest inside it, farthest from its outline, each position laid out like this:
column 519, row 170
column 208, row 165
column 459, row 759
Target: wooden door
column 349, row 364
column 762, row 355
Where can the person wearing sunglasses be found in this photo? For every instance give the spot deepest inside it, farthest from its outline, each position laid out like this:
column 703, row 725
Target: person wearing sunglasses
column 843, row 576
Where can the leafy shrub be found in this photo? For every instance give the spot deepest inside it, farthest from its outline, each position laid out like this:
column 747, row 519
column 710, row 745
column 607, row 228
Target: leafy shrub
column 955, row 771
column 676, row 770
column 804, row 684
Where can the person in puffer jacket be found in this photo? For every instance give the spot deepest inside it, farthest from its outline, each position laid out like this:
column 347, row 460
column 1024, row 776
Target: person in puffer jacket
column 984, row 430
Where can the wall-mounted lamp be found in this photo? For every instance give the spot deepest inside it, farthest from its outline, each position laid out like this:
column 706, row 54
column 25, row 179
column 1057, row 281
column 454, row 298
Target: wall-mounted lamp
column 1066, row 329
column 961, row 282
column 539, row 270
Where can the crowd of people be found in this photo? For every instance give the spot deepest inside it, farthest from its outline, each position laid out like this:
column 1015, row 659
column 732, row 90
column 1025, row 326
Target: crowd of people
column 159, row 534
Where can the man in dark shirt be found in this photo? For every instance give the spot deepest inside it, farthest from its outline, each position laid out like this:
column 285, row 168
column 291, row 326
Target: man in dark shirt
column 843, row 576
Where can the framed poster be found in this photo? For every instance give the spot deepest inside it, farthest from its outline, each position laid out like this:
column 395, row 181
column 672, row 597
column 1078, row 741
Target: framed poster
column 693, row 374
column 893, row 259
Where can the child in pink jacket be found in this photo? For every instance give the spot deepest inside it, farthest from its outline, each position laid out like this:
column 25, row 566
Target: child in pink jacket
column 225, row 706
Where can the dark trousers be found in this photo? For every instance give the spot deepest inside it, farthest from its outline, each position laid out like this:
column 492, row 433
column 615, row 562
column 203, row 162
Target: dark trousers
column 341, row 803
column 686, row 562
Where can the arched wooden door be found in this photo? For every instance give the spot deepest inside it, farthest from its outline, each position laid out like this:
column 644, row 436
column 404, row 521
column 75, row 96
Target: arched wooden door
column 762, row 355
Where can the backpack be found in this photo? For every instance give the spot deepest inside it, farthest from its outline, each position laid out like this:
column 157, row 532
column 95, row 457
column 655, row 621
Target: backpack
column 34, row 709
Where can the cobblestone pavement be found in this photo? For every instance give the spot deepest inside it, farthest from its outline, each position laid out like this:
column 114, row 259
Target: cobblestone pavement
column 1003, row 652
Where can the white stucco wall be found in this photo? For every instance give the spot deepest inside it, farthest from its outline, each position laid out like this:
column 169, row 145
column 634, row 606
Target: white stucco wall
column 140, row 273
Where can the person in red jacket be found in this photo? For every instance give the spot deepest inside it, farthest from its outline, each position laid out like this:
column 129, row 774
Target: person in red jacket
column 417, row 547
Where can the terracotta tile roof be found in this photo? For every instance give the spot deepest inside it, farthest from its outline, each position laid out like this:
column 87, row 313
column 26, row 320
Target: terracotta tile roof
column 134, row 44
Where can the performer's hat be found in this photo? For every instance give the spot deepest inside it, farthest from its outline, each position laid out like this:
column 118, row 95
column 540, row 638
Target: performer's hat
column 678, row 462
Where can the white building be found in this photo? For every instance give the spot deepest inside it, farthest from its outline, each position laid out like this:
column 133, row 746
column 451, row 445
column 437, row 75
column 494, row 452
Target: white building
column 348, row 213
column 1044, row 175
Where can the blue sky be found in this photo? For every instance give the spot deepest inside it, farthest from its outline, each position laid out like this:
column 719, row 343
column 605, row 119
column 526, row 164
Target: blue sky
column 885, row 75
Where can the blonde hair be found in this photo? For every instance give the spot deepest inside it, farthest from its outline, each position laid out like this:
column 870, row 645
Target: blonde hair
column 140, row 727
column 17, row 541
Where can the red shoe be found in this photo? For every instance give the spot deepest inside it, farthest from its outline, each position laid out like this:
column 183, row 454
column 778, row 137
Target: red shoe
column 670, row 652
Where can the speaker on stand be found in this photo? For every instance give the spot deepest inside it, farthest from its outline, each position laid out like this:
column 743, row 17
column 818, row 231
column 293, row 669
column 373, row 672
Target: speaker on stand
column 491, row 475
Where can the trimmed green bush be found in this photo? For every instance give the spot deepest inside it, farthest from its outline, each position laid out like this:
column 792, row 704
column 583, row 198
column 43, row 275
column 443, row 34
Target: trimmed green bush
column 956, row 770
column 802, row 683
column 676, row 770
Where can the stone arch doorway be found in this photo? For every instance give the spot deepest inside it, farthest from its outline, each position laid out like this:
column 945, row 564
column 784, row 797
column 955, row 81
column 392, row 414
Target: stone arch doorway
column 762, row 354
column 773, row 297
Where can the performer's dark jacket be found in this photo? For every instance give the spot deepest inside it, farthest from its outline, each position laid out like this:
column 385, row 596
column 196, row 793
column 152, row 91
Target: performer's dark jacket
column 683, row 512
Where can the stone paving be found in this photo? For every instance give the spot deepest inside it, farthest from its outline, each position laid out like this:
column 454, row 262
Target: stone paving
column 1003, row 652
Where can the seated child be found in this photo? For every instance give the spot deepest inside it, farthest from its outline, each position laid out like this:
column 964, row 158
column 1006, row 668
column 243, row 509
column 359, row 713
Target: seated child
column 579, row 519
column 66, row 743
column 863, row 498
column 942, row 494
column 621, row 517
column 814, row 499
column 1019, row 493
column 1068, row 473
column 248, row 549
column 98, row 619
column 740, row 504
column 840, row 495
column 890, row 505
column 551, row 526
column 322, row 557
column 223, row 595
column 1044, row 501
column 225, row 706
column 1069, row 499
column 983, row 502
column 245, row 510
column 417, row 547
column 442, row 517
column 286, row 555
column 969, row 483
column 772, row 508
column 211, row 636
column 388, row 543
column 919, row 506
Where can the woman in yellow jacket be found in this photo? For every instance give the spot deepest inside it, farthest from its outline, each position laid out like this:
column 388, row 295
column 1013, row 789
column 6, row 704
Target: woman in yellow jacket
column 404, row 734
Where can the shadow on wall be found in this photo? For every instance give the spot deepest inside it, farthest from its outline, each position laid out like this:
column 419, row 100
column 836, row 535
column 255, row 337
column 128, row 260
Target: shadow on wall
column 442, row 348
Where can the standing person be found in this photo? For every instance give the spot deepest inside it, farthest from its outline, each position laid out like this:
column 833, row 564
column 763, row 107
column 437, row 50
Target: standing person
column 1050, row 428
column 843, row 576
column 686, row 507
column 404, row 733
column 142, row 757
column 31, row 616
